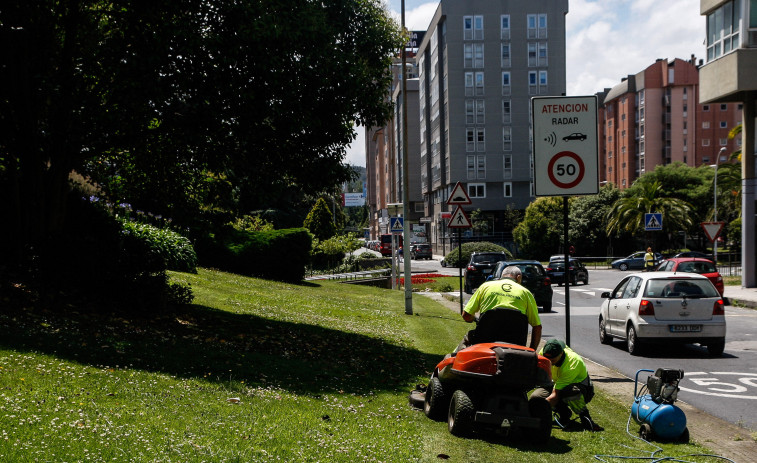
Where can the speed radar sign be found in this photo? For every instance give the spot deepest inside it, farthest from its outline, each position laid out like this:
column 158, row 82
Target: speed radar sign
column 565, row 146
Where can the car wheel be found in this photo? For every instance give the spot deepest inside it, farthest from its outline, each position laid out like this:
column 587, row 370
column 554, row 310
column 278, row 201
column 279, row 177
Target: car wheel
column 586, row 279
column 716, row 348
column 538, row 407
column 623, row 267
column 634, row 345
column 461, row 414
column 547, row 307
column 604, row 338
column 467, row 289
column 435, row 402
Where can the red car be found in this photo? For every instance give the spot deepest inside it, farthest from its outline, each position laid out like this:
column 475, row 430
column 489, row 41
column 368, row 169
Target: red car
column 698, row 265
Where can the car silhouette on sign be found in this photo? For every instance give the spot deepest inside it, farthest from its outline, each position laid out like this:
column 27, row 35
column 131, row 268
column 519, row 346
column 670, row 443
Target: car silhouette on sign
column 574, row 136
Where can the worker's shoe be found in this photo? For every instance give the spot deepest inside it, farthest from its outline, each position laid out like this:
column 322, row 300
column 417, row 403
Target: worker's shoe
column 589, row 424
column 562, row 415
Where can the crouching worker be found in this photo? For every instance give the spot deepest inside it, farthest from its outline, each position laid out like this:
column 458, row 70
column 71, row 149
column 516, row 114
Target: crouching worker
column 572, row 388
column 507, row 309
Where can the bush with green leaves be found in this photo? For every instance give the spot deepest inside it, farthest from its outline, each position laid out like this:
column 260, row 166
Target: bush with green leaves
column 176, row 250
column 453, row 258
column 330, row 253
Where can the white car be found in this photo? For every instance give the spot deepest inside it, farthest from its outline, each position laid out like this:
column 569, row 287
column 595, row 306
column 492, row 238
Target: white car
column 663, row 307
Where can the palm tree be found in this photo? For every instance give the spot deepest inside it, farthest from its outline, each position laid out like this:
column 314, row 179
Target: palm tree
column 627, row 213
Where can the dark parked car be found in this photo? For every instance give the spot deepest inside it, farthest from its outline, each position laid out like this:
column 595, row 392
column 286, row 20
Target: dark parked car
column 535, row 279
column 577, row 270
column 480, row 266
column 635, row 261
column 420, row 251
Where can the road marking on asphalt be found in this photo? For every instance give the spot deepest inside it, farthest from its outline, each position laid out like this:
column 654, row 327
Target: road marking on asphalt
column 711, row 381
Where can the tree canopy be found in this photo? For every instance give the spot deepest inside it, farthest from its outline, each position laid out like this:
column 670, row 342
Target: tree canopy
column 181, row 106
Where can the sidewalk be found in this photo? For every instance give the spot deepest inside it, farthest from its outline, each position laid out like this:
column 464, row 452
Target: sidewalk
column 743, row 297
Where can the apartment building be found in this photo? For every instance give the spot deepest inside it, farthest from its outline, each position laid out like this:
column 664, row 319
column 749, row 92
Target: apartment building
column 655, row 118
column 479, row 64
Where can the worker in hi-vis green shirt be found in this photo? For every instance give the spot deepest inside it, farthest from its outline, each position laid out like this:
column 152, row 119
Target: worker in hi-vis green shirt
column 506, row 293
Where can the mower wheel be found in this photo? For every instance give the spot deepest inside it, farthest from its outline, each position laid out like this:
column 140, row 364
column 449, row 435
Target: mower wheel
column 461, row 414
column 604, row 338
column 645, row 432
column 716, row 348
column 538, row 407
column 435, row 402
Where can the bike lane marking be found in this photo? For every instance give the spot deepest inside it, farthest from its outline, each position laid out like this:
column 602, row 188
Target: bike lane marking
column 722, row 389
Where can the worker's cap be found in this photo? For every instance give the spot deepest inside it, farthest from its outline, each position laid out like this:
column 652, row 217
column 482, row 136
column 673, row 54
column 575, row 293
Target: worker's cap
column 553, row 348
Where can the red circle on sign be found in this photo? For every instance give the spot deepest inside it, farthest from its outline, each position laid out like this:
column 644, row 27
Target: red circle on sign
column 573, row 156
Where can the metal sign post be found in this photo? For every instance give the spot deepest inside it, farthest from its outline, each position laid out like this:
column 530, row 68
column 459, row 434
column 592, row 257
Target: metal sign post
column 566, row 158
column 459, row 219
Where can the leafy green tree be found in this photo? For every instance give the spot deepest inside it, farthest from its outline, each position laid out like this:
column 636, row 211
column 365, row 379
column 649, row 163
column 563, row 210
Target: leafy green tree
column 628, row 212
column 480, row 222
column 320, row 221
column 541, row 231
column 184, row 106
column 587, row 219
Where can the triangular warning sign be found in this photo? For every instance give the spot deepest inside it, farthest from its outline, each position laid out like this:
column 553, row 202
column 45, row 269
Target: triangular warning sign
column 712, row 229
column 459, row 196
column 459, row 219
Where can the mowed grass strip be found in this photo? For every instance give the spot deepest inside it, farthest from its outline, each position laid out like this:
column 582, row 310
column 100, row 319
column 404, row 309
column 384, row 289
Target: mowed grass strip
column 253, row 371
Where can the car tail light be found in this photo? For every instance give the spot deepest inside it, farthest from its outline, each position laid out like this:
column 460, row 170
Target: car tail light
column 718, row 308
column 646, row 307
column 549, row 269
column 547, row 281
column 471, row 268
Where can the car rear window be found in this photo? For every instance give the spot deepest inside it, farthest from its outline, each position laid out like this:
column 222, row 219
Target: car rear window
column 487, row 257
column 697, row 267
column 673, row 288
column 531, row 269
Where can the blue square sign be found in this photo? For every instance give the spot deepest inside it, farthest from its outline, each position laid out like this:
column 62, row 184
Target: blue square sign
column 653, row 221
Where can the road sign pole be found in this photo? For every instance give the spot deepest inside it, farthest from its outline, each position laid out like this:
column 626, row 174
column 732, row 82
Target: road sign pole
column 459, row 268
column 566, row 273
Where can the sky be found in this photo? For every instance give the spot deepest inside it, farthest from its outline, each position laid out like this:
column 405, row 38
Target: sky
column 606, row 41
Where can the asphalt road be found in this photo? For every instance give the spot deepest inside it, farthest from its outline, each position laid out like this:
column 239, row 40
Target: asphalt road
column 725, row 387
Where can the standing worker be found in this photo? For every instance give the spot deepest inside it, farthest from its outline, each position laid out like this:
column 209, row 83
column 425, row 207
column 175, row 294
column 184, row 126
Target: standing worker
column 572, row 389
column 505, row 293
column 649, row 260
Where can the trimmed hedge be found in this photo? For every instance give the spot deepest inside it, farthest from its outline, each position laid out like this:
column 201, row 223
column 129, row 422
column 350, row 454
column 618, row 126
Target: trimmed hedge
column 276, row 255
column 176, row 250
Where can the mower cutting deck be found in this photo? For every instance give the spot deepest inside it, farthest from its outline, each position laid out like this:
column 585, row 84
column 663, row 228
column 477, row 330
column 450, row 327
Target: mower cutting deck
column 485, row 387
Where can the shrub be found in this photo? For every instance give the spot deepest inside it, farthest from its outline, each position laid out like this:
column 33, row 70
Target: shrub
column 176, row 250
column 453, row 260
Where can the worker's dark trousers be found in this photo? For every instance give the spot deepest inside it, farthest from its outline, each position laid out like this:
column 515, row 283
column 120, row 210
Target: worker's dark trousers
column 575, row 395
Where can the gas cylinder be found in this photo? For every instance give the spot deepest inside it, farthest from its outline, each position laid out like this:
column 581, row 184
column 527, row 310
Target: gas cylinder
column 665, row 420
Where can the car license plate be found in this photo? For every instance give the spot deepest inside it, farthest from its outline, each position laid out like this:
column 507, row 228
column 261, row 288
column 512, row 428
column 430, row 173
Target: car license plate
column 685, row 328
column 487, row 270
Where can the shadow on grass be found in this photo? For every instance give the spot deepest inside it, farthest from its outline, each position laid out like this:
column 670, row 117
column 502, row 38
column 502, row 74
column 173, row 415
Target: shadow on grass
column 198, row 341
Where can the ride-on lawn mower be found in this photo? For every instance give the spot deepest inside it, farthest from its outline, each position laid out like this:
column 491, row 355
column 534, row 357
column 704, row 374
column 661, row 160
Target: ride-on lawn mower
column 485, row 387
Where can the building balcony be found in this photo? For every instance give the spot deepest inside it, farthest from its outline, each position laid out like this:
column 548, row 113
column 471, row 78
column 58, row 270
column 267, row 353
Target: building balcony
column 727, row 78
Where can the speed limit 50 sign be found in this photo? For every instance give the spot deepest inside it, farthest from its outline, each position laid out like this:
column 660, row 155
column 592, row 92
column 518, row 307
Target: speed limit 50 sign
column 566, row 157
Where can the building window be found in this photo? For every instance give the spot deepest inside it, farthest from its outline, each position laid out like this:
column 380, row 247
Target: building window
column 508, row 189
column 480, row 139
column 506, row 112
column 705, row 142
column 507, row 138
column 724, row 107
column 531, row 54
column 467, row 55
column 706, row 125
column 479, row 84
column 480, row 112
column 478, row 55
column 531, row 25
column 468, row 84
column 470, row 112
column 506, row 55
column 507, row 166
column 477, row 190
column 706, row 108
column 471, row 160
column 505, row 27
column 723, row 124
column 542, row 77
column 506, row 83
column 478, row 28
column 481, row 167
column 543, row 54
column 470, row 139
column 532, row 82
column 609, row 123
column 723, row 26
column 542, row 26
column 467, row 27
column 723, row 142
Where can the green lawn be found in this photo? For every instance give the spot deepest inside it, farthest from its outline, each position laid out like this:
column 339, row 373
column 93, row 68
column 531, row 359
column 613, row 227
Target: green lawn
column 253, row 371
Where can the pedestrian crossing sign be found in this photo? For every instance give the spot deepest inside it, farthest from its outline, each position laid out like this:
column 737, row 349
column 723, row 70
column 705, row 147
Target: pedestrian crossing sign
column 653, row 221
column 396, row 224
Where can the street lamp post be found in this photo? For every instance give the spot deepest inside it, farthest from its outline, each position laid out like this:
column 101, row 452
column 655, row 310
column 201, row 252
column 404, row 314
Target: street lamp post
column 715, row 203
